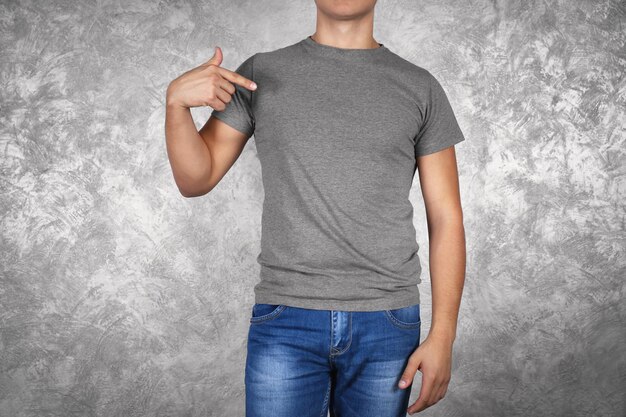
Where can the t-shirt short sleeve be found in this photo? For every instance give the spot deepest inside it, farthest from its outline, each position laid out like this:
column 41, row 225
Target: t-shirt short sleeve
column 439, row 128
column 238, row 112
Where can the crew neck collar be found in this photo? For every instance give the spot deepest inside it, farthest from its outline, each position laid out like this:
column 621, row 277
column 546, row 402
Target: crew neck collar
column 328, row 50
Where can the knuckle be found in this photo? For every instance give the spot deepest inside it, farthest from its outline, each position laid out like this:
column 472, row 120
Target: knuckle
column 213, row 104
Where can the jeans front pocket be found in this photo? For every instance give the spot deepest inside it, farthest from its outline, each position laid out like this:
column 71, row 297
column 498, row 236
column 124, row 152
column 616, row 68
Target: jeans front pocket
column 264, row 312
column 405, row 317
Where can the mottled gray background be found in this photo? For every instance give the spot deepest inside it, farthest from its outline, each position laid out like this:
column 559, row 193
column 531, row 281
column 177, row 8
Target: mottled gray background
column 119, row 297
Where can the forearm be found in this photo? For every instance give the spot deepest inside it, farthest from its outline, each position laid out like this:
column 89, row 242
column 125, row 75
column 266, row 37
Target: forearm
column 447, row 271
column 188, row 154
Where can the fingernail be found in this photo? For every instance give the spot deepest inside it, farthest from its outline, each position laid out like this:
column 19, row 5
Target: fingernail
column 253, row 85
column 403, row 383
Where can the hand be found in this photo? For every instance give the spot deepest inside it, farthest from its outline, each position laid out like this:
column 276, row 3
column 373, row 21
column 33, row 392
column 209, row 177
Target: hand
column 433, row 358
column 206, row 85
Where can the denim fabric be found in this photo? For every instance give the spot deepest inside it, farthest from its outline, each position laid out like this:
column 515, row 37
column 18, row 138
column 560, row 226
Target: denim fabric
column 307, row 362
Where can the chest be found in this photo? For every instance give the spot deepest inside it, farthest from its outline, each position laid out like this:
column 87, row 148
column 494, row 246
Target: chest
column 350, row 110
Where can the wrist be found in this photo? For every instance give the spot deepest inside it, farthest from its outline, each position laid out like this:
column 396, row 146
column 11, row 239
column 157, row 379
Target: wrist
column 443, row 335
column 170, row 99
column 174, row 105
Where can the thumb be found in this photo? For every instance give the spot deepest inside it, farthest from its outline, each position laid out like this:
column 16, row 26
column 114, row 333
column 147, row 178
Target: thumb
column 216, row 59
column 410, row 371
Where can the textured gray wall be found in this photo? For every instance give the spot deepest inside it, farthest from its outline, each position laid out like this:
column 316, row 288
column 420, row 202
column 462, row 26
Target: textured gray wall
column 119, row 297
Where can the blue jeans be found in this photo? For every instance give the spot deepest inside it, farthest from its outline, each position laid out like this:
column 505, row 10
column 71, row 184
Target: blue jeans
column 304, row 362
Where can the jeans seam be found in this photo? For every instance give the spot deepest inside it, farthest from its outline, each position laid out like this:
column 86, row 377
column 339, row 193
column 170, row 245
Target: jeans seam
column 268, row 316
column 349, row 343
column 332, row 329
column 401, row 324
column 325, row 404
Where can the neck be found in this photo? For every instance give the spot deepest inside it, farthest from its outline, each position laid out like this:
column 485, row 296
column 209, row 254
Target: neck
column 354, row 33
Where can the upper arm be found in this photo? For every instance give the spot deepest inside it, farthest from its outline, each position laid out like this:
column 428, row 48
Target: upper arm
column 225, row 144
column 227, row 131
column 435, row 154
column 439, row 181
column 439, row 128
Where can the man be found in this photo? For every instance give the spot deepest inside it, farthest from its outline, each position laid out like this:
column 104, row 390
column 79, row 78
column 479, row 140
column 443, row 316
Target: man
column 341, row 124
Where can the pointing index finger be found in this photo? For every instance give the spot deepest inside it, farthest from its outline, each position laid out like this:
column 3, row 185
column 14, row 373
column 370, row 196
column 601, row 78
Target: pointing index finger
column 237, row 78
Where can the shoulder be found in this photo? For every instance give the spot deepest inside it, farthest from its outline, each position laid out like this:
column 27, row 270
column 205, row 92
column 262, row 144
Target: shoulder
column 414, row 80
column 264, row 58
column 408, row 68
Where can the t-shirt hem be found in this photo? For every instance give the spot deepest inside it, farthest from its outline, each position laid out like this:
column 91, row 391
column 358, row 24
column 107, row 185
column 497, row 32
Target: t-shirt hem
column 341, row 305
column 440, row 146
column 233, row 122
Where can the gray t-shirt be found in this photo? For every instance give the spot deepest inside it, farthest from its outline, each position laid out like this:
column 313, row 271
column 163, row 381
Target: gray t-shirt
column 337, row 133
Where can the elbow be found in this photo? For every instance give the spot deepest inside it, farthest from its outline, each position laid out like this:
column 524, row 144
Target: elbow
column 187, row 194
column 193, row 186
column 446, row 217
column 190, row 193
column 193, row 189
